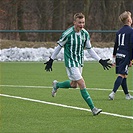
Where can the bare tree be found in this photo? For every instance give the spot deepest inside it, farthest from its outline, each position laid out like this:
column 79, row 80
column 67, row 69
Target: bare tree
column 87, row 7
column 20, row 19
column 8, row 17
column 43, row 11
column 58, row 15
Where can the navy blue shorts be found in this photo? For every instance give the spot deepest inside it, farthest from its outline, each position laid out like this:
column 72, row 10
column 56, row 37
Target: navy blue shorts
column 122, row 64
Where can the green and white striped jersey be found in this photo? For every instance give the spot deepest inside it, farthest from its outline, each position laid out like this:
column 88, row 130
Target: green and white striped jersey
column 74, row 44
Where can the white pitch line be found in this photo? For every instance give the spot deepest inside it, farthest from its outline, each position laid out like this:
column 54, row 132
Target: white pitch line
column 65, row 106
column 23, row 86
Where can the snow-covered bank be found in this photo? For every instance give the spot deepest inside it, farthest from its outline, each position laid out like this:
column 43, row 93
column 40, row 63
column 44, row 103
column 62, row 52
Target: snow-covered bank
column 43, row 54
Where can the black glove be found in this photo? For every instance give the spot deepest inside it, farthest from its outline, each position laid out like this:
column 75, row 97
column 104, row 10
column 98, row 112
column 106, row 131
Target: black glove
column 48, row 66
column 105, row 64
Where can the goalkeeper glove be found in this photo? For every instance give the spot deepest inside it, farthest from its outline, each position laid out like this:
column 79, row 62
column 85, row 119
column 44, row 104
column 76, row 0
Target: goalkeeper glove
column 48, row 66
column 105, row 64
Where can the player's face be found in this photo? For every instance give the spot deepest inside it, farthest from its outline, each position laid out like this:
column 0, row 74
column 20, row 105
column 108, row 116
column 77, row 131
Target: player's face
column 130, row 20
column 79, row 24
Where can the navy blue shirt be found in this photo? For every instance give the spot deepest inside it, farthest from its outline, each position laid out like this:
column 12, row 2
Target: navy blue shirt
column 124, row 41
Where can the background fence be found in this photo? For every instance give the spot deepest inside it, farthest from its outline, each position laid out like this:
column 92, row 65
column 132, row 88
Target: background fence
column 58, row 15
column 96, row 35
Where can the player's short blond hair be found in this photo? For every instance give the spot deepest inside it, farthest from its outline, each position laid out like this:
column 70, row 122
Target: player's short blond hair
column 124, row 16
column 78, row 15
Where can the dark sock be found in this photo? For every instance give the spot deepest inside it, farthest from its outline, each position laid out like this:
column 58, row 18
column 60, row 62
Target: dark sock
column 117, row 83
column 124, row 86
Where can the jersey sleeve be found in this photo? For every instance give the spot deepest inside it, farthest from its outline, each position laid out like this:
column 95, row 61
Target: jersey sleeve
column 115, row 45
column 88, row 44
column 62, row 41
column 131, row 46
column 56, row 51
column 90, row 50
column 87, row 41
column 93, row 54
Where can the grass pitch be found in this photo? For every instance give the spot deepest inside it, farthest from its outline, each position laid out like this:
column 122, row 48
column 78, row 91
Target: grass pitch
column 25, row 107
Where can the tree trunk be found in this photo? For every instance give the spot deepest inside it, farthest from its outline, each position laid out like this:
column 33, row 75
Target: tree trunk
column 20, row 12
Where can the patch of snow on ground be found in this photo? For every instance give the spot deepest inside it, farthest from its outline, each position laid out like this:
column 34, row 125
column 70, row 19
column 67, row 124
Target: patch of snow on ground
column 43, row 54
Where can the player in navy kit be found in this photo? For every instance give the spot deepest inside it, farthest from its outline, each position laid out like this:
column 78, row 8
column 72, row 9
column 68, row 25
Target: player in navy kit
column 123, row 54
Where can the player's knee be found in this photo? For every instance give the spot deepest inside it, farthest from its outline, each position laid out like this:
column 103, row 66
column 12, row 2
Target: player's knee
column 81, row 84
column 74, row 86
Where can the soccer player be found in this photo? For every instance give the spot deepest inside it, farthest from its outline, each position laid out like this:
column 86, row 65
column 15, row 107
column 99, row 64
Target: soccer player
column 123, row 54
column 74, row 40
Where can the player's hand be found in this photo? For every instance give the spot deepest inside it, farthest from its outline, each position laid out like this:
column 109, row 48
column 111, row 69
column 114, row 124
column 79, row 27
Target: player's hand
column 105, row 63
column 48, row 66
column 131, row 63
